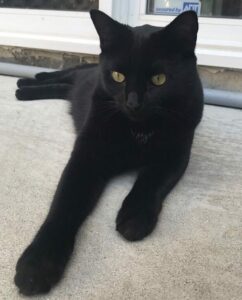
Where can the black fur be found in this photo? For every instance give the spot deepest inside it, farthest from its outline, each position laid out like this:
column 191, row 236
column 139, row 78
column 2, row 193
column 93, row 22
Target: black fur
column 154, row 136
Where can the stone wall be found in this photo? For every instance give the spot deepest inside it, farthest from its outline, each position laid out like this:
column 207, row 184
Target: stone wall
column 43, row 58
column 217, row 78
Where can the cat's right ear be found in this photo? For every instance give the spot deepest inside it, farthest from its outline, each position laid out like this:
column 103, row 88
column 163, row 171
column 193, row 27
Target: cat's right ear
column 111, row 32
column 182, row 31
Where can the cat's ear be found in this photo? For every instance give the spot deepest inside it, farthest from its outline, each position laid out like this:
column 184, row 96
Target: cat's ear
column 182, row 31
column 111, row 32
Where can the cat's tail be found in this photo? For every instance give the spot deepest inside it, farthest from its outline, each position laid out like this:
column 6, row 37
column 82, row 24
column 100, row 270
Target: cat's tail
column 49, row 85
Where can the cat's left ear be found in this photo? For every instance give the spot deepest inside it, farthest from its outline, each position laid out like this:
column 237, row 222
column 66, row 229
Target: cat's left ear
column 112, row 34
column 182, row 31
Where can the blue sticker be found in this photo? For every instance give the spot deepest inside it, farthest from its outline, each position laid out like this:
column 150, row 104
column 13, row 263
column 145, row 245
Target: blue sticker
column 191, row 6
column 168, row 10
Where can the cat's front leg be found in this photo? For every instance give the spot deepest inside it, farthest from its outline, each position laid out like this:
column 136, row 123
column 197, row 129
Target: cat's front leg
column 140, row 210
column 42, row 264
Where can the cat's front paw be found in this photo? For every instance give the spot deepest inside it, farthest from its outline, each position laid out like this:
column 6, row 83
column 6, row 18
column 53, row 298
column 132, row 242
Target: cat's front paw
column 37, row 270
column 135, row 224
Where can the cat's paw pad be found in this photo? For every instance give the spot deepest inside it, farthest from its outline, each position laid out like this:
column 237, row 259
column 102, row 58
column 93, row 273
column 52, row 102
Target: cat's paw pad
column 36, row 273
column 135, row 226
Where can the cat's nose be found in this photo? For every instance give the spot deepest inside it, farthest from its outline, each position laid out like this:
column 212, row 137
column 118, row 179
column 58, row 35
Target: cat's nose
column 132, row 101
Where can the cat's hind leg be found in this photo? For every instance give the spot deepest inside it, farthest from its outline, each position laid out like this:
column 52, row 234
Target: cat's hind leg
column 63, row 77
column 67, row 76
column 66, row 72
column 27, row 82
column 42, row 76
column 48, row 91
column 24, row 82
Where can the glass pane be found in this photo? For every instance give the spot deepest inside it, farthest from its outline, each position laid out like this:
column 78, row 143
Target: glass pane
column 204, row 8
column 76, row 5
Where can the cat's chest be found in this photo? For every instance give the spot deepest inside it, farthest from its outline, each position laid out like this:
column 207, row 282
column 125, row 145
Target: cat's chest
column 142, row 137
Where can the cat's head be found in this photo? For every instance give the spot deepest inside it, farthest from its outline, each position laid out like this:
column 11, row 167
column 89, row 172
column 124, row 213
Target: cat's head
column 148, row 70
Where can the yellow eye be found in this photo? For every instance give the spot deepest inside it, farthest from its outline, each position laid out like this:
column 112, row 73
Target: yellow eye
column 158, row 79
column 118, row 77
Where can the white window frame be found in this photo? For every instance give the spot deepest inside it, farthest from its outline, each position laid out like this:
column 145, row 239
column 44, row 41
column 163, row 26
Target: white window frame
column 219, row 39
column 51, row 29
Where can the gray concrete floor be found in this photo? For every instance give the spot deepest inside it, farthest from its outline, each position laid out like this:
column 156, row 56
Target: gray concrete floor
column 195, row 251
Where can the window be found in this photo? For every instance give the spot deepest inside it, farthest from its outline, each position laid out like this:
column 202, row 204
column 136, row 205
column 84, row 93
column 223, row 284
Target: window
column 205, row 8
column 53, row 24
column 66, row 26
column 224, row 8
column 75, row 5
column 220, row 34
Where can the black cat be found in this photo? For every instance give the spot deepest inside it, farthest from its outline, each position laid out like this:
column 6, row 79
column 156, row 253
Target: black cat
column 137, row 109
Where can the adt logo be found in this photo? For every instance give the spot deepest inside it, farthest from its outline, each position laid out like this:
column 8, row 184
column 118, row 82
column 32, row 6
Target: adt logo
column 191, row 6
